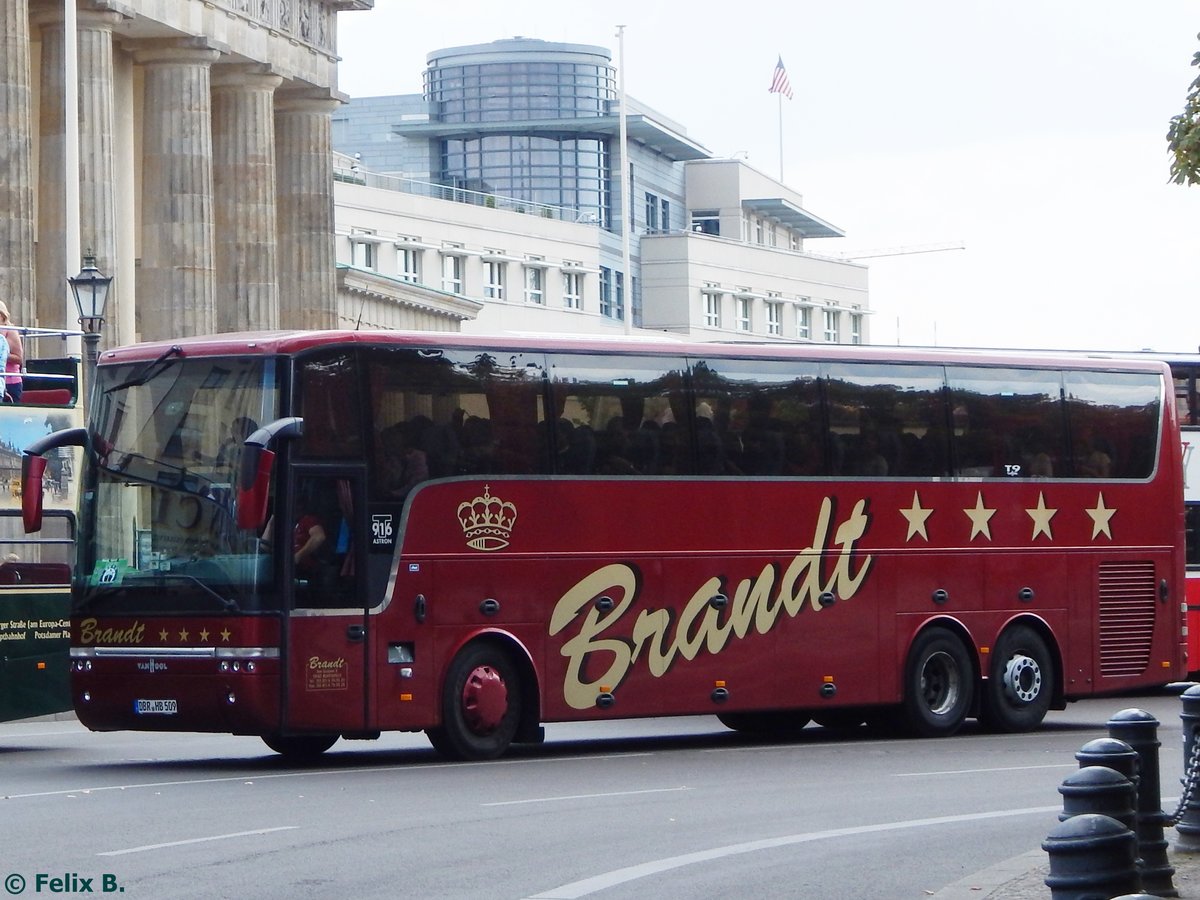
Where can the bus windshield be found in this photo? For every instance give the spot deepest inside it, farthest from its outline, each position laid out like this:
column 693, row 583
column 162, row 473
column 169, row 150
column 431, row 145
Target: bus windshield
column 167, row 438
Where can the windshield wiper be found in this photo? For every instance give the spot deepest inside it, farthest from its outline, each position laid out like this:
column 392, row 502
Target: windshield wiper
column 147, row 371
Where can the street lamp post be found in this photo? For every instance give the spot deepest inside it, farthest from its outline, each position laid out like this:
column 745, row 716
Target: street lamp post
column 90, row 289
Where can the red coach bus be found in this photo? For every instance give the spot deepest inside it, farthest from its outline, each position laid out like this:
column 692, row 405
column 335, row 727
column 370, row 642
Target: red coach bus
column 303, row 536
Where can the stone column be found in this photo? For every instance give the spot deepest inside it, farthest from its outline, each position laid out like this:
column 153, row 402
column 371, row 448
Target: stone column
column 16, row 166
column 97, row 160
column 175, row 287
column 50, row 308
column 247, row 271
column 304, row 163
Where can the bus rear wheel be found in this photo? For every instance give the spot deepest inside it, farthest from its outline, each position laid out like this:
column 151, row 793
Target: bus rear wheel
column 1020, row 684
column 300, row 747
column 481, row 705
column 938, row 684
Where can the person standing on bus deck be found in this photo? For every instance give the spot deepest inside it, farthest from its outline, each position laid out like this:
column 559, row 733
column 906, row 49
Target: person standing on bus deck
column 14, row 357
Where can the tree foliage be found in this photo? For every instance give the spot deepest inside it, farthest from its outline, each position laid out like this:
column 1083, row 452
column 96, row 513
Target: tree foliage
column 1183, row 136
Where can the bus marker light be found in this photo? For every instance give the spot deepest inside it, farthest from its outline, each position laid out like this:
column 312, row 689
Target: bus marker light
column 405, row 698
column 985, row 650
column 828, row 679
column 41, row 665
column 719, row 683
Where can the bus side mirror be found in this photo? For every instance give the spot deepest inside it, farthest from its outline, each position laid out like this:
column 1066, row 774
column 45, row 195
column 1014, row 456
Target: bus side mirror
column 254, row 479
column 33, row 467
column 32, row 470
column 254, row 487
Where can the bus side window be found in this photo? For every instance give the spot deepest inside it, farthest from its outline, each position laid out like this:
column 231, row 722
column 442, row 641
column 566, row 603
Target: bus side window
column 329, row 402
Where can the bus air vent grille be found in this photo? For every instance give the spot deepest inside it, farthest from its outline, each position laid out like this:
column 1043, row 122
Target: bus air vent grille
column 1127, row 605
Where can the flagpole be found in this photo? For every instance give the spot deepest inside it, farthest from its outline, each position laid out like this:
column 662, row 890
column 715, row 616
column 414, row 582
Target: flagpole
column 626, row 202
column 781, row 137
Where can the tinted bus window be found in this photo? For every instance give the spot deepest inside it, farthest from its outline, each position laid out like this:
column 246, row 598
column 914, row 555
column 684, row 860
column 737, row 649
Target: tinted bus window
column 438, row 413
column 1114, row 423
column 1192, row 533
column 1007, row 422
column 758, row 417
column 887, row 420
column 618, row 416
column 328, row 399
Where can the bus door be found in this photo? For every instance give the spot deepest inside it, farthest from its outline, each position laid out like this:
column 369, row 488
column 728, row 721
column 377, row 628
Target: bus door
column 326, row 685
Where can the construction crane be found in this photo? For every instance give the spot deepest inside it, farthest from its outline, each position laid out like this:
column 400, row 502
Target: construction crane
column 903, row 251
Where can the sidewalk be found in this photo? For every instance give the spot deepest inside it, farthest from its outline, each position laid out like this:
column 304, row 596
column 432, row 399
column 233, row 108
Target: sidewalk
column 1024, row 878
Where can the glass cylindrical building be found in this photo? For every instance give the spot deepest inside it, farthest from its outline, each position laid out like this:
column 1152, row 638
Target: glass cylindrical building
column 525, row 105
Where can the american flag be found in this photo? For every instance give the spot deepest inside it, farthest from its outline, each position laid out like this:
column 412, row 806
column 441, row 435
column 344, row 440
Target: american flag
column 779, row 81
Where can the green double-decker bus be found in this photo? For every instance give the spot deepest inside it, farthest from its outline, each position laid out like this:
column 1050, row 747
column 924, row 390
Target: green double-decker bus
column 35, row 569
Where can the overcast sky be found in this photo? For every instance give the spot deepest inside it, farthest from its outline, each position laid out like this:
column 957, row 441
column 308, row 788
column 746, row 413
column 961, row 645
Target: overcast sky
column 1031, row 132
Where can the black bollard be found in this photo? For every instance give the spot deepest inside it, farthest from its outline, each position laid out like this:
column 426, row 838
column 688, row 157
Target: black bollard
column 1091, row 856
column 1139, row 729
column 1101, row 790
column 1187, row 827
column 1112, row 753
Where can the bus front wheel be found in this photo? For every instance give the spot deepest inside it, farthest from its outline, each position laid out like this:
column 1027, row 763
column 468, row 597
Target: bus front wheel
column 938, row 685
column 481, row 705
column 300, row 747
column 1020, row 684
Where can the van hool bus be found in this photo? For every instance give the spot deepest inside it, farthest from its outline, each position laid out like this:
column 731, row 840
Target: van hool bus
column 303, row 536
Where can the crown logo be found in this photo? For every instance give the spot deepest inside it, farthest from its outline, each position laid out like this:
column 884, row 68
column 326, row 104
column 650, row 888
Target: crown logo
column 487, row 521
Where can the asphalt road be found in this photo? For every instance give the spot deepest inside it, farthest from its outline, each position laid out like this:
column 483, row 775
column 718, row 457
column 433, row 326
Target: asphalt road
column 662, row 807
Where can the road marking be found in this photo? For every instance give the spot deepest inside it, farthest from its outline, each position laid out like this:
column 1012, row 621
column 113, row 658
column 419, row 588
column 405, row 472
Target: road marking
column 315, row 773
column 607, row 880
column 200, row 840
column 585, row 796
column 977, row 771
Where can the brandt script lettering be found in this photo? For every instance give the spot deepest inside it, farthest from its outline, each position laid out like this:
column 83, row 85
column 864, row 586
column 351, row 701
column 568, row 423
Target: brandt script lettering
column 826, row 565
column 91, row 633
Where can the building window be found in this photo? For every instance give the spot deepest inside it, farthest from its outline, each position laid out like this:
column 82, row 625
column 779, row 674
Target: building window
column 620, row 297
column 606, row 291
column 534, row 281
column 651, row 212
column 573, row 290
column 712, row 305
column 493, row 288
column 758, row 230
column 832, row 326
column 775, row 318
column 706, row 221
column 362, row 245
column 665, row 220
column 452, row 269
column 794, row 241
column 804, row 322
column 856, row 322
column 744, row 313
column 409, row 260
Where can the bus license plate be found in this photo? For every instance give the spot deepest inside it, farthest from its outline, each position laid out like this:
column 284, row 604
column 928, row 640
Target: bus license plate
column 156, row 707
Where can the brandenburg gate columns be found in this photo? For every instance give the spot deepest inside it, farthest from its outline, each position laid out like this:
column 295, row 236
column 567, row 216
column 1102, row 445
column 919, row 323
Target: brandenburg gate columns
column 304, row 164
column 247, row 269
column 16, row 166
column 176, row 285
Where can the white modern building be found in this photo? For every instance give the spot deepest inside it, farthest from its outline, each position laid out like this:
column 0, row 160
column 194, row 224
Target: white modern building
column 497, row 196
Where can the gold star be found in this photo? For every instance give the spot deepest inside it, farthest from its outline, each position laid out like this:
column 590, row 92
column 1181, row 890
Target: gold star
column 225, row 634
column 183, row 634
column 162, row 635
column 916, row 516
column 980, row 516
column 1101, row 516
column 1041, row 516
column 204, row 634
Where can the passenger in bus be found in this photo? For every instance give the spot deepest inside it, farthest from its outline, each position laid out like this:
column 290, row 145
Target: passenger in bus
column 15, row 361
column 404, row 465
